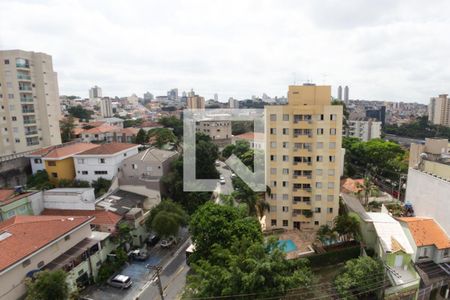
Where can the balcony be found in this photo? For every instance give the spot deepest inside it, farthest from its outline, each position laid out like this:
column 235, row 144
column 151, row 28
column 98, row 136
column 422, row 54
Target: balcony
column 28, row 111
column 32, row 143
column 28, row 121
column 31, row 132
column 22, row 65
column 26, row 99
column 25, row 88
column 23, row 77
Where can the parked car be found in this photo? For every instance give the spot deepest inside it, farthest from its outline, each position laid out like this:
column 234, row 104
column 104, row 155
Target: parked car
column 217, row 163
column 153, row 239
column 222, row 181
column 141, row 254
column 221, row 176
column 120, row 281
column 233, row 175
column 168, row 242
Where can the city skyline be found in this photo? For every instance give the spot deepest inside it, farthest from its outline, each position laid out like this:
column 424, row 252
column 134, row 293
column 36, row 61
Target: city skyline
column 237, row 49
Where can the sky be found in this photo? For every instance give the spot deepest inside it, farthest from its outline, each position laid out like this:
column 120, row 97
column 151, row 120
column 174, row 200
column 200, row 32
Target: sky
column 383, row 49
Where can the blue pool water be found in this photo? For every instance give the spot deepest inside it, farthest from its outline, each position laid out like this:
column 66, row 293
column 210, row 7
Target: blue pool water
column 287, row 245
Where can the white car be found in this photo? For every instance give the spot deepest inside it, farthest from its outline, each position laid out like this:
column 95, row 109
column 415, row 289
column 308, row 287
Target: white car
column 222, row 177
column 120, row 281
column 168, row 242
column 217, row 163
column 222, row 181
column 233, row 175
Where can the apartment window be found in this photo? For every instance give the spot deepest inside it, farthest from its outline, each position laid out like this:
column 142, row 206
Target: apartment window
column 330, row 198
column 17, row 141
column 329, row 210
column 67, row 237
column 285, row 117
column 273, row 144
column 285, row 184
column 10, row 96
column 319, row 131
column 285, row 223
column 273, row 117
column 273, row 171
column 273, row 131
column 134, row 166
column 319, row 145
column 331, row 185
column 54, row 175
column 318, row 185
column 80, row 161
column 332, row 131
column 321, row 117
column 285, row 197
column 14, row 118
column 102, row 160
column 273, row 158
column 274, row 183
column 6, row 61
column 286, row 131
column 319, row 158
column 316, row 223
column 51, row 163
column 100, row 172
column 124, row 154
column 285, row 208
column 330, row 172
column 425, row 252
column 285, row 171
column 26, row 263
column 285, row 157
column 332, row 145
column 285, row 145
column 273, row 196
column 318, row 172
column 333, row 117
column 318, row 197
column 38, row 161
column 273, row 222
column 317, row 210
column 332, row 158
column 446, row 252
column 273, row 208
column 84, row 172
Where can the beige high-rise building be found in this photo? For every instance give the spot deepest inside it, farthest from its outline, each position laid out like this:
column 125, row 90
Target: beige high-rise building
column 195, row 102
column 439, row 110
column 303, row 156
column 29, row 97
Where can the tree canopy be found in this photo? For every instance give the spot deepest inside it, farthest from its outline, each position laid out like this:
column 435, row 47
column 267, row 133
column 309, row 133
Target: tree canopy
column 166, row 218
column 418, row 129
column 80, row 112
column 141, row 137
column 48, row 285
column 67, row 126
column 174, row 123
column 161, row 136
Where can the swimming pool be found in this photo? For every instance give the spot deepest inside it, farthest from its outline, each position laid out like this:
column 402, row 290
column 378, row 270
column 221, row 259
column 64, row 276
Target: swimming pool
column 287, row 245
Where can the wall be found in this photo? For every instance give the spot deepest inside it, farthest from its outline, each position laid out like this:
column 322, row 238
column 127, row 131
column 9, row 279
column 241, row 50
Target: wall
column 37, row 164
column 12, row 282
column 37, row 202
column 64, row 169
column 429, row 196
column 14, row 171
column 69, row 200
column 18, row 207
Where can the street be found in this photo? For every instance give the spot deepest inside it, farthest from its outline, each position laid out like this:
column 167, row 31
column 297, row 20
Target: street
column 227, row 188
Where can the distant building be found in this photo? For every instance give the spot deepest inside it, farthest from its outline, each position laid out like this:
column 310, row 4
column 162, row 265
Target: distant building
column 133, row 100
column 216, row 97
column 95, row 92
column 377, row 114
column 439, row 110
column 339, row 93
column 106, row 108
column 14, row 203
column 172, row 94
column 255, row 139
column 195, row 101
column 233, row 103
column 346, row 94
column 30, row 97
column 365, row 130
column 148, row 96
column 218, row 131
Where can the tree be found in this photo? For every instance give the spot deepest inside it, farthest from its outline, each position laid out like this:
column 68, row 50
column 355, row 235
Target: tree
column 241, row 147
column 362, row 276
column 101, row 186
column 206, row 154
column 366, row 189
column 257, row 269
column 228, row 150
column 347, row 226
column 174, row 123
column 141, row 137
column 217, row 224
column 256, row 202
column 39, row 181
column 240, row 127
column 48, row 285
column 161, row 136
column 124, row 233
column 67, row 126
column 80, row 113
column 326, row 234
column 166, row 218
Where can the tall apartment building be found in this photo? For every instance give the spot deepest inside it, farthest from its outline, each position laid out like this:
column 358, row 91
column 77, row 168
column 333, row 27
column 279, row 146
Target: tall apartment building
column 346, row 93
column 29, row 102
column 195, row 102
column 95, row 92
column 233, row 103
column 303, row 155
column 106, row 108
column 439, row 110
column 364, row 129
column 339, row 96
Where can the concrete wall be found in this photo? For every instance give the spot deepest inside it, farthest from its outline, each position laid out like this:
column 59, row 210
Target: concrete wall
column 14, row 171
column 429, row 196
column 69, row 200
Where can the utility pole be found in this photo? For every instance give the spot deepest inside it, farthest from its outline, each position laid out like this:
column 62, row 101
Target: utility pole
column 157, row 277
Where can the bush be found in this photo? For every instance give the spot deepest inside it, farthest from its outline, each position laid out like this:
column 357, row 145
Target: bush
column 334, row 257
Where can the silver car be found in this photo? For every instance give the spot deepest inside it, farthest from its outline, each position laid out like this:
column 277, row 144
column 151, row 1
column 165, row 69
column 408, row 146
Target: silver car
column 120, row 281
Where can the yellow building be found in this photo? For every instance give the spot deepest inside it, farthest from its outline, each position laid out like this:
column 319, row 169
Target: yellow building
column 303, row 142
column 58, row 160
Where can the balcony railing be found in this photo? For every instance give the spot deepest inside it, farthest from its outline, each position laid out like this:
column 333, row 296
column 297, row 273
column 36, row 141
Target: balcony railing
column 33, row 132
column 25, row 88
column 26, row 99
column 23, row 77
column 29, row 121
column 32, row 143
column 27, row 111
column 21, row 65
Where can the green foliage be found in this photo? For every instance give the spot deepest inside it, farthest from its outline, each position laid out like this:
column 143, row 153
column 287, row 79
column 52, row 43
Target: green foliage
column 101, row 186
column 39, row 181
column 326, row 234
column 124, row 233
column 366, row 189
column 247, row 267
column 105, row 271
column 67, row 126
column 206, row 155
column 132, row 123
column 141, row 137
column 347, row 226
column 161, row 136
column 241, row 147
column 334, row 257
column 360, row 276
column 419, row 129
column 109, row 267
column 228, row 150
column 255, row 202
column 216, row 224
column 80, row 113
column 48, row 285
column 174, row 123
column 166, row 218
column 240, row 127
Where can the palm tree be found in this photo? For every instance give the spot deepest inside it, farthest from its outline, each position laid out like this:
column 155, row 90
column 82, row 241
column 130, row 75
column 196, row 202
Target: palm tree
column 347, row 227
column 325, row 234
column 366, row 189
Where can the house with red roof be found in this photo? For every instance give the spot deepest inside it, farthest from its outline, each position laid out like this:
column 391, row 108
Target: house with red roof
column 255, row 139
column 29, row 244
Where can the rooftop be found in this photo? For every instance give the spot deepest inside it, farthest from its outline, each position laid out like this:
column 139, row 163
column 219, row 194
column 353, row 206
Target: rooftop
column 102, row 217
column 251, row 136
column 108, row 149
column 103, row 128
column 350, row 185
column 426, row 232
column 120, row 202
column 21, row 236
column 155, row 154
column 63, row 151
column 9, row 195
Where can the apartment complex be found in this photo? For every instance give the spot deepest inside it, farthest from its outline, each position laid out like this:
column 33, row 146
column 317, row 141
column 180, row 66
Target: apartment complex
column 303, row 142
column 439, row 110
column 195, row 101
column 29, row 102
column 364, row 129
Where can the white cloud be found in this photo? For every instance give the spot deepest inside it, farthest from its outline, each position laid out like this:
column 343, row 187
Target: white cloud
column 382, row 49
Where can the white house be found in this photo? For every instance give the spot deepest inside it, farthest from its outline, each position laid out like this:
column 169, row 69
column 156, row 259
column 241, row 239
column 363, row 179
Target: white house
column 103, row 161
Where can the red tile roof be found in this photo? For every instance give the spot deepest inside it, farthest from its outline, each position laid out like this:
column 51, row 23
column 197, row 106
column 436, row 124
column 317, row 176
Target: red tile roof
column 24, row 235
column 251, row 136
column 63, row 151
column 349, row 185
column 102, row 217
column 107, row 149
column 9, row 195
column 427, row 232
column 103, row 128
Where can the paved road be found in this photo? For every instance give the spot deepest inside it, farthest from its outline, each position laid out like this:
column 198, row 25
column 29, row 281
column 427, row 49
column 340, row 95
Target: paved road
column 226, row 188
column 173, row 278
